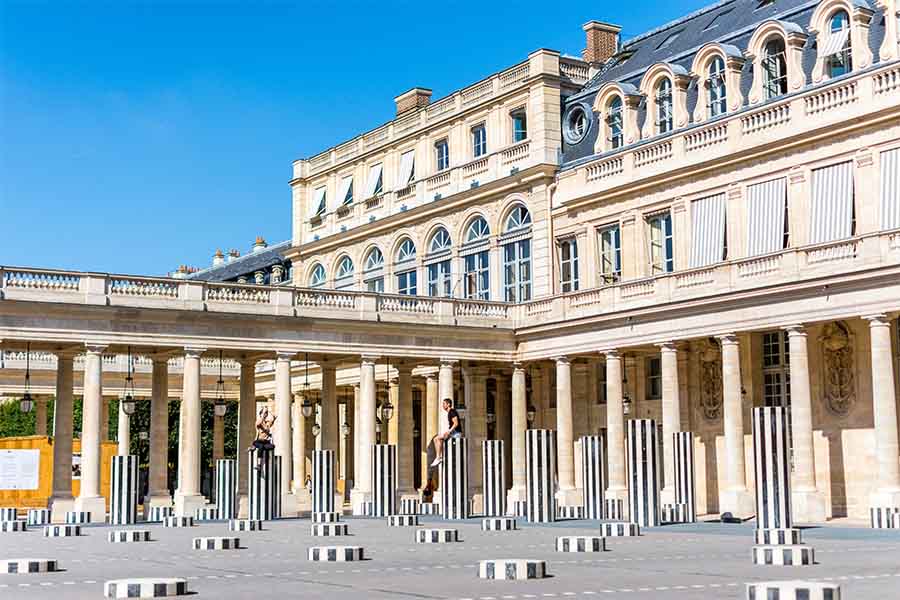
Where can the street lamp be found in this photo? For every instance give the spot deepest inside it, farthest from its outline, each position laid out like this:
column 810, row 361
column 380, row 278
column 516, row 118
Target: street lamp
column 530, row 413
column 316, row 429
column 220, row 408
column 306, row 407
column 143, row 436
column 491, row 418
column 345, row 429
column 387, row 409
column 128, row 391
column 26, row 403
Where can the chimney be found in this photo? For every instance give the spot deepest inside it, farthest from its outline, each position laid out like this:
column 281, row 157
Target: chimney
column 218, row 258
column 259, row 244
column 602, row 41
column 233, row 254
column 413, row 99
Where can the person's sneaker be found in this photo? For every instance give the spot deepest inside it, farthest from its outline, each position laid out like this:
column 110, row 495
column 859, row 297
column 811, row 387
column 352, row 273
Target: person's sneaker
column 437, row 461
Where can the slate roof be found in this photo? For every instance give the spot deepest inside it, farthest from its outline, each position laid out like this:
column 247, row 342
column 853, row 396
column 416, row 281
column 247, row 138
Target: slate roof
column 246, row 264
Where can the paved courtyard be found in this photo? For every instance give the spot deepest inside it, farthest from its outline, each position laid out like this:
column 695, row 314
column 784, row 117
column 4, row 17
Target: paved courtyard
column 706, row 560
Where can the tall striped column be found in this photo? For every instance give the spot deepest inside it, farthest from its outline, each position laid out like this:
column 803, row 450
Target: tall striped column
column 384, row 480
column 540, row 464
column 771, row 455
column 684, row 473
column 592, row 461
column 455, row 479
column 264, row 487
column 322, row 481
column 226, row 488
column 123, row 490
column 643, row 472
column 493, row 477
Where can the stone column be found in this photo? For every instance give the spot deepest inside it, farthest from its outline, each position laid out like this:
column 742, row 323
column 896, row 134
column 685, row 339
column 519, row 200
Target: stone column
column 218, row 449
column 518, row 491
column 123, row 435
column 445, row 390
column 158, row 471
column 807, row 502
column 475, row 430
column 429, row 422
column 884, row 405
column 366, row 430
column 392, row 427
column 61, row 500
column 565, row 450
column 187, row 497
column 356, row 444
column 503, row 422
column 89, row 498
column 282, row 433
column 329, row 434
column 735, row 498
column 246, row 431
column 617, row 489
column 342, row 442
column 298, row 447
column 104, row 418
column 40, row 416
column 403, row 415
column 671, row 417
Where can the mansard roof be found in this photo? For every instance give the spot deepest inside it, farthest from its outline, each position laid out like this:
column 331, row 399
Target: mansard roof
column 246, row 264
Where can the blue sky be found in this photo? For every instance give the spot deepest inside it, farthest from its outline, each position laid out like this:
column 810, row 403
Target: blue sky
column 137, row 136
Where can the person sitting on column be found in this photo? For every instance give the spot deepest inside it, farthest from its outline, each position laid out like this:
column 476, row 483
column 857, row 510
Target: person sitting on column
column 263, row 442
column 454, row 431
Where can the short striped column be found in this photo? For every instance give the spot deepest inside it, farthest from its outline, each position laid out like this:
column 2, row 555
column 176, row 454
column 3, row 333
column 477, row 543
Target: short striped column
column 12, row 526
column 325, row 517
column 498, row 524
column 570, row 512
column 145, row 587
column 12, row 566
column 322, row 481
column 157, row 514
column 783, row 556
column 540, row 470
column 620, row 529
column 264, row 486
column 684, row 474
column 493, row 478
column 216, row 543
column 123, row 490
column 772, row 467
column 884, row 517
column 580, row 543
column 455, row 479
column 592, row 461
column 384, row 480
column 8, row 513
column 77, row 517
column 245, row 525
column 643, row 472
column 429, row 508
column 62, row 530
column 436, row 536
column 793, row 590
column 335, row 553
column 176, row 521
column 38, row 516
column 519, row 508
column 226, row 488
column 207, row 513
column 409, row 506
column 327, row 529
column 124, row 536
column 512, row 568
column 614, row 509
column 403, row 520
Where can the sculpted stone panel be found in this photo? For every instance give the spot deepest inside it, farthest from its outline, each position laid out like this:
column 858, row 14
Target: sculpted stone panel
column 710, row 381
column 838, row 360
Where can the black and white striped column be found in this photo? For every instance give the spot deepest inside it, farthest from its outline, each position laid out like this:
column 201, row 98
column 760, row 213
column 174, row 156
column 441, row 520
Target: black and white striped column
column 38, row 516
column 455, row 479
column 123, row 490
column 685, row 498
column 384, row 480
column 771, row 455
column 643, row 472
column 592, row 461
column 226, row 487
column 264, row 486
column 540, row 470
column 322, row 481
column 493, row 478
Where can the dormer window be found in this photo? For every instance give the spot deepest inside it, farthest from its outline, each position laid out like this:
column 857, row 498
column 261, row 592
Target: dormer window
column 664, row 106
column 836, row 48
column 774, row 66
column 717, row 103
column 614, row 123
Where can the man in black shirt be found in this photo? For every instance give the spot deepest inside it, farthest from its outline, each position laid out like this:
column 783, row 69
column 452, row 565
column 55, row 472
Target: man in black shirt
column 455, row 430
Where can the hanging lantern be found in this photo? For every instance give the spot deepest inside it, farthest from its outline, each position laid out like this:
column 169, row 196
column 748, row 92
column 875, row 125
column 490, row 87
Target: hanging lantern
column 345, row 429
column 530, row 413
column 220, row 408
column 26, row 404
column 306, row 407
column 316, row 429
column 128, row 405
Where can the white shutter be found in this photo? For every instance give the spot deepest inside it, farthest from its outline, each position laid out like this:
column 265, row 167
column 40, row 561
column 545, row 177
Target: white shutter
column 407, row 162
column 890, row 189
column 834, row 43
column 708, row 239
column 765, row 225
column 831, row 214
column 372, row 182
column 346, row 182
column 318, row 203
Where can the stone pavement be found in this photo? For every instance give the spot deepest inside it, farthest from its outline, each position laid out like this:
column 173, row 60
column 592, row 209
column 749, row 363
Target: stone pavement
column 703, row 560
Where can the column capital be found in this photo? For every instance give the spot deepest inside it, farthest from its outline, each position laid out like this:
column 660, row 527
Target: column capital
column 562, row 360
column 668, row 346
column 94, row 348
column 369, row 359
column 728, row 339
column 193, row 351
column 449, row 362
column 248, row 362
column 285, row 355
column 518, row 365
column 67, row 354
column 403, row 367
column 878, row 320
column 795, row 329
column 611, row 354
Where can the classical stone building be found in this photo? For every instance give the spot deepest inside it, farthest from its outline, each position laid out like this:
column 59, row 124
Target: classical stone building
column 680, row 226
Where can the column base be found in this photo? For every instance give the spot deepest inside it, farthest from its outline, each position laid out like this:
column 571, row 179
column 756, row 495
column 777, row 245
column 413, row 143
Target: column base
column 478, row 504
column 516, row 494
column 667, row 495
column 808, row 507
column 619, row 494
column 881, row 499
column 357, row 499
column 187, row 505
column 410, row 494
column 243, row 506
column 571, row 497
column 288, row 506
column 96, row 505
column 739, row 503
column 59, row 506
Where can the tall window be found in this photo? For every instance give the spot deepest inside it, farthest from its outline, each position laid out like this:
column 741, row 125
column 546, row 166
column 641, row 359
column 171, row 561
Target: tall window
column 442, row 155
column 776, row 369
column 837, row 46
column 317, row 277
column 406, row 267
column 438, row 267
column 614, row 123
column 476, row 265
column 664, row 105
column 517, row 256
column 373, row 271
column 661, row 249
column 774, row 66
column 519, row 125
column 568, row 265
column 653, row 368
column 715, row 83
column 610, row 254
column 479, row 141
column 343, row 278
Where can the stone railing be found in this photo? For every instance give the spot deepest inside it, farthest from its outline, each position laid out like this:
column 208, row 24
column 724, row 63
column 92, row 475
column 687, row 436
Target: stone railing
column 113, row 363
column 576, row 71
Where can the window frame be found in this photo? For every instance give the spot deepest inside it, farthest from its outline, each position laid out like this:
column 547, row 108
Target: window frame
column 614, row 273
column 477, row 268
column 666, row 244
column 519, row 135
column 442, row 155
column 567, row 249
column 775, row 362
column 772, row 79
column 716, row 87
column 479, row 140
column 653, row 378
column 615, row 123
column 664, row 101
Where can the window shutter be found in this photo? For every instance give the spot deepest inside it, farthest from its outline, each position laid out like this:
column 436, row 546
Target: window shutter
column 834, row 43
column 831, row 214
column 890, row 189
column 372, row 182
column 346, row 182
column 318, row 204
column 708, row 239
column 407, row 163
column 765, row 225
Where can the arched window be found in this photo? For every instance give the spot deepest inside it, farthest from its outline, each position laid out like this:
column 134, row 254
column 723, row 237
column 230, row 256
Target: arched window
column 373, row 270
column 406, row 278
column 614, row 123
column 438, row 269
column 374, row 260
column 518, row 218
column 317, row 277
column 406, row 251
column 664, row 105
column 478, row 230
column 344, row 276
column 836, row 48
column 715, row 83
column 440, row 242
column 774, row 66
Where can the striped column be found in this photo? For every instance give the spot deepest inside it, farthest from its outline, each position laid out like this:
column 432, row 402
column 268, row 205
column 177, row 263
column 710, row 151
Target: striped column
column 322, row 481
column 684, row 474
column 643, row 472
column 123, row 490
column 772, row 466
column 493, row 477
column 592, row 460
column 264, row 487
column 540, row 464
column 226, row 488
column 384, row 480
column 455, row 479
